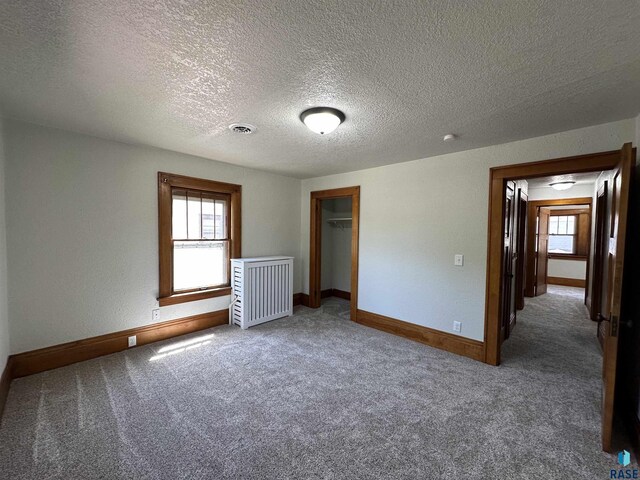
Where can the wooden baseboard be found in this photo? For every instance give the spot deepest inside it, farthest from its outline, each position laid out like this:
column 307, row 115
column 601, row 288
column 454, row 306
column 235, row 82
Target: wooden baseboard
column 300, row 299
column 341, row 294
column 5, row 382
column 334, row 292
column 434, row 338
column 567, row 282
column 37, row 361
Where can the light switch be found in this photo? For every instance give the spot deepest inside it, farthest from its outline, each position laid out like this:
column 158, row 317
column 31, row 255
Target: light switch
column 458, row 260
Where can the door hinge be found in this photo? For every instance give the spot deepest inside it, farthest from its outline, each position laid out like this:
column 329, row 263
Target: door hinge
column 614, row 325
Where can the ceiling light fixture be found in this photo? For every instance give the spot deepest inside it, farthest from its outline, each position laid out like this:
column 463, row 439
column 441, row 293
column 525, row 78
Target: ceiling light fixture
column 449, row 137
column 562, row 185
column 322, row 119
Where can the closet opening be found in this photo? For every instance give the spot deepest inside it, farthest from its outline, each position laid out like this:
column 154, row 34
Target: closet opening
column 333, row 273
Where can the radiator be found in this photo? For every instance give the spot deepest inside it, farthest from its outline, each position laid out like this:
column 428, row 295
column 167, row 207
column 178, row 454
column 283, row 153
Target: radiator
column 262, row 290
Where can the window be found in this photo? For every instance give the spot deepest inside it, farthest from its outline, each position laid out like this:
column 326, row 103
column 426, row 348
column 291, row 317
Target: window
column 199, row 233
column 200, row 239
column 562, row 234
column 569, row 233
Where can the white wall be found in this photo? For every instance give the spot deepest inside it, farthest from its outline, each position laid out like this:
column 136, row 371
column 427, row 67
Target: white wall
column 341, row 247
column 326, row 256
column 416, row 216
column 4, row 317
column 82, row 231
column 567, row 268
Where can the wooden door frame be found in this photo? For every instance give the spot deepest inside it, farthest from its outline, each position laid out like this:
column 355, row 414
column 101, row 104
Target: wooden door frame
column 530, row 241
column 498, row 177
column 315, row 249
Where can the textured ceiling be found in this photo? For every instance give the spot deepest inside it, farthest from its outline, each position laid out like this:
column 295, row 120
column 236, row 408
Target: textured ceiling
column 176, row 73
column 579, row 178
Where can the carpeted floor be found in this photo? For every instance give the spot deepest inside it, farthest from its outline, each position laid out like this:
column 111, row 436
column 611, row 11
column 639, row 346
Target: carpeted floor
column 317, row 396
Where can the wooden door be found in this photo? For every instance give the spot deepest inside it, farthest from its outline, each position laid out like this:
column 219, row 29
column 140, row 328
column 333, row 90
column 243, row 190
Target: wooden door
column 542, row 251
column 521, row 248
column 620, row 184
column 508, row 262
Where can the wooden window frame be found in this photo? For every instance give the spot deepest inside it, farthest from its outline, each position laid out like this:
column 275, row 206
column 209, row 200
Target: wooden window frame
column 166, row 183
column 581, row 237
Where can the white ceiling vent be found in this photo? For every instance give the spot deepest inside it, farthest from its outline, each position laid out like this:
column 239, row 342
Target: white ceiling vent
column 242, row 128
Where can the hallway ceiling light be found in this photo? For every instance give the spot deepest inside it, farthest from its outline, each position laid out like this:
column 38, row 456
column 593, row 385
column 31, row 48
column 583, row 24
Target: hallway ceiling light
column 562, row 185
column 322, row 119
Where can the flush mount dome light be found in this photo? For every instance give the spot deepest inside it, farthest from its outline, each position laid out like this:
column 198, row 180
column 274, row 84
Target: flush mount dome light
column 562, row 185
column 322, row 119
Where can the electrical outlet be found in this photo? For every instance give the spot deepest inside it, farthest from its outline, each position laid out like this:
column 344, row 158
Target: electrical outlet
column 133, row 341
column 458, row 260
column 457, row 326
column 155, row 314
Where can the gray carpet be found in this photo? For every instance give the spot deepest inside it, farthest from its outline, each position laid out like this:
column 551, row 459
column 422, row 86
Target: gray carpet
column 317, row 396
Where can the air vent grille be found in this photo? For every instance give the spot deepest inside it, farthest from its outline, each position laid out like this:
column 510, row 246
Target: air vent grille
column 242, row 128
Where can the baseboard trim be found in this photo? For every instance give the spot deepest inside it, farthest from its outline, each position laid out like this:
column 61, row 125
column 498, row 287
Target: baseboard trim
column 434, row 338
column 5, row 382
column 567, row 282
column 334, row 292
column 300, row 299
column 48, row 358
column 341, row 294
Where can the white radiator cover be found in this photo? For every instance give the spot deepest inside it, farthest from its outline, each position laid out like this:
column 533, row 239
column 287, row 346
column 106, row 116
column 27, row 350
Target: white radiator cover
column 262, row 290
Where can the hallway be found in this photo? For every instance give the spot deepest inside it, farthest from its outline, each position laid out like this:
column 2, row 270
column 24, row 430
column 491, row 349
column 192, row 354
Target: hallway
column 554, row 344
column 554, row 334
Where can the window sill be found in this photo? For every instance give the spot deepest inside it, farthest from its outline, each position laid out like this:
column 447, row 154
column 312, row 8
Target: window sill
column 566, row 256
column 194, row 296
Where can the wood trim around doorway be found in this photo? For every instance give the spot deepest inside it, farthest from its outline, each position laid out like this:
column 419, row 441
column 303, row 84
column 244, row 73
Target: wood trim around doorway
column 497, row 181
column 529, row 281
column 315, row 249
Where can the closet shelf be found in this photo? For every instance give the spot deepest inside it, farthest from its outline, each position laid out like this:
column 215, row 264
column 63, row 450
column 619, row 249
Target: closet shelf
column 339, row 222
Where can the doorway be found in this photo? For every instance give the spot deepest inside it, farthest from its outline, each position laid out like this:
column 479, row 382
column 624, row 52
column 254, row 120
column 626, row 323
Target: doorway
column 329, row 201
column 620, row 163
column 559, row 239
column 337, row 226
